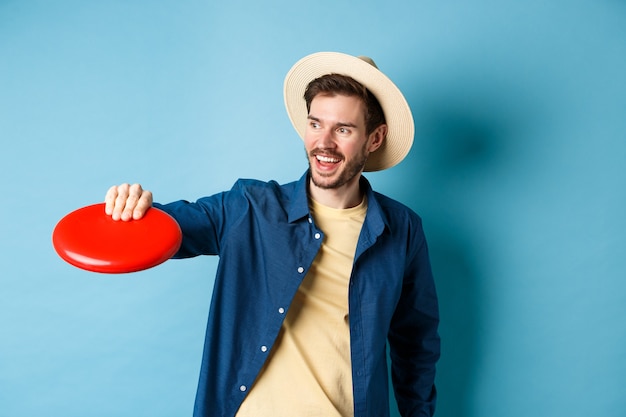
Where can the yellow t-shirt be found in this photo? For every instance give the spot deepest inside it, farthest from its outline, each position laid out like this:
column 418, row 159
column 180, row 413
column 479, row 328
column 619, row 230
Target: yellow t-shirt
column 309, row 372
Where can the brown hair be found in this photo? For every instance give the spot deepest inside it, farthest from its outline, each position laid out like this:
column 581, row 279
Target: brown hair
column 333, row 84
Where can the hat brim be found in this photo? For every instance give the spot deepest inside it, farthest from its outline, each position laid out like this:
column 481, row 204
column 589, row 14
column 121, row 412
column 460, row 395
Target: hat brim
column 400, row 126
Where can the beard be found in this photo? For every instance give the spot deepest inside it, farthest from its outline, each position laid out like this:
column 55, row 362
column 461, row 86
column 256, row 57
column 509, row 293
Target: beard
column 337, row 179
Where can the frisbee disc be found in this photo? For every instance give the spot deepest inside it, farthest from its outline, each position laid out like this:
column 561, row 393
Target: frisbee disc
column 90, row 239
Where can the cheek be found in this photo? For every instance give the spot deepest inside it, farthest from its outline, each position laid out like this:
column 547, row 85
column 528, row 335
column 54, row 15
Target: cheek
column 308, row 142
column 311, row 139
column 309, row 145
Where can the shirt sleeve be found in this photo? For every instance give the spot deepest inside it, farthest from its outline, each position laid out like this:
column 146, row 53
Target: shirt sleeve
column 413, row 337
column 205, row 222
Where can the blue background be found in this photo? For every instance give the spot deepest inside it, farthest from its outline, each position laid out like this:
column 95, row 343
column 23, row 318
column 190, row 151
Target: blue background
column 517, row 170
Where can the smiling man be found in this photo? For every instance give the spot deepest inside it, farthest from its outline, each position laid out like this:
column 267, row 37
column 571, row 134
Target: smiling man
column 316, row 277
column 338, row 144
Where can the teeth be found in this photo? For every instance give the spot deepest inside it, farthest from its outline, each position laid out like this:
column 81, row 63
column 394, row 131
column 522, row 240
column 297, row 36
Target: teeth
column 322, row 158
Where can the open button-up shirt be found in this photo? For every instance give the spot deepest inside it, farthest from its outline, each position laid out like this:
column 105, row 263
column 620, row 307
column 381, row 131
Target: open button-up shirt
column 267, row 241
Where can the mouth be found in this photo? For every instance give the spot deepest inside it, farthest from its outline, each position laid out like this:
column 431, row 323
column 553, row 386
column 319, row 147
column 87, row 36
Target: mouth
column 326, row 163
column 325, row 159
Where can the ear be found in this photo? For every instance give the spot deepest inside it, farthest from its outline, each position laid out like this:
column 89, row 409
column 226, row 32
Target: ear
column 377, row 138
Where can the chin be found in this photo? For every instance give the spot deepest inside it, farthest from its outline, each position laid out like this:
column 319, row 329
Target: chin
column 332, row 182
column 323, row 182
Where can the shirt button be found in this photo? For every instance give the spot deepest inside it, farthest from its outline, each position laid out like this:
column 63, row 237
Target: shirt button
column 243, row 388
column 300, row 269
column 281, row 310
column 310, row 220
column 317, row 236
column 263, row 348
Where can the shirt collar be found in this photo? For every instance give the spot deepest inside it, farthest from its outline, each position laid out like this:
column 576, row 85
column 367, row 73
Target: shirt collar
column 299, row 206
column 374, row 221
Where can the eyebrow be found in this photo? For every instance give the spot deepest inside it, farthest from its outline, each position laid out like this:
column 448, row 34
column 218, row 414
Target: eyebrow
column 339, row 124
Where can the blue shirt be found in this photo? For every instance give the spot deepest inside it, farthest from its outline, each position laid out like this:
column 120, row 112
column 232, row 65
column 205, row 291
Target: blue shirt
column 267, row 241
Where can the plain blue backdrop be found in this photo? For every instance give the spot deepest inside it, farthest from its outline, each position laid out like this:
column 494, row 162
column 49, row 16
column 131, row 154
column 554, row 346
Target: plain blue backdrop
column 517, row 170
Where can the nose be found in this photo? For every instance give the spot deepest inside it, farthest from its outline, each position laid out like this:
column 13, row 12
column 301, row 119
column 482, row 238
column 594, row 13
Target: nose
column 326, row 139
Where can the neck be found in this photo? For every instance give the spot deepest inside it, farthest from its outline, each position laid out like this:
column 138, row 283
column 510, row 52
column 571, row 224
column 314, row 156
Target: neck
column 347, row 196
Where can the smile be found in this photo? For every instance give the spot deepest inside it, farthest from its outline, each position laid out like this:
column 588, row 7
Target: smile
column 327, row 159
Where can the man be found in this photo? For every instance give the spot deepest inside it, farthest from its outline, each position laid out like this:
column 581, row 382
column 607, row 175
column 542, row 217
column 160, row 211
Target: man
column 315, row 276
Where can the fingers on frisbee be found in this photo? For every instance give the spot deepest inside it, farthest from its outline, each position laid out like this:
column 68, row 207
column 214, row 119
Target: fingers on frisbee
column 143, row 204
column 109, row 199
column 124, row 202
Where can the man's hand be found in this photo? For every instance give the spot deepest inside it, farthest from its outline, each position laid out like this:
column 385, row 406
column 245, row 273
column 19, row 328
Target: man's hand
column 126, row 202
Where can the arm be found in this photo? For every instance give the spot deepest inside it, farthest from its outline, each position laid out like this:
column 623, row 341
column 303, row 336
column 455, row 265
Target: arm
column 413, row 337
column 201, row 222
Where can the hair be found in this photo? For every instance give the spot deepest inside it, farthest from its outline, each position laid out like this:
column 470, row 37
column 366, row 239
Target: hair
column 335, row 84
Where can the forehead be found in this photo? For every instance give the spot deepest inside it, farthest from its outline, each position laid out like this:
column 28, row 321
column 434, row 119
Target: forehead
column 338, row 108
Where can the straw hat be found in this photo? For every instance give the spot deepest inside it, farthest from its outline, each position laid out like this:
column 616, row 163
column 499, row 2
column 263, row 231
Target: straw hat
column 397, row 111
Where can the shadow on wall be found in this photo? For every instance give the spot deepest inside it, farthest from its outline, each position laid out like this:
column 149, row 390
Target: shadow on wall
column 457, row 144
column 460, row 147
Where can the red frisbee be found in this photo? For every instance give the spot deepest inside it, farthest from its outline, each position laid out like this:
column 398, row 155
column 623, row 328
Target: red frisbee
column 90, row 239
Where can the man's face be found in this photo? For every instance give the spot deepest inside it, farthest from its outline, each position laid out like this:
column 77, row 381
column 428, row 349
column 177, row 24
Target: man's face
column 335, row 140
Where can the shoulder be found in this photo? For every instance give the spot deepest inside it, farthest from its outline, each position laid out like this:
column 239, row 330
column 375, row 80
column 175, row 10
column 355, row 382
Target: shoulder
column 260, row 188
column 395, row 211
column 401, row 222
column 392, row 212
column 261, row 194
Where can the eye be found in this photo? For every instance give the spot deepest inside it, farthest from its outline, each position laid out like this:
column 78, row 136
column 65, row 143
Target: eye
column 314, row 124
column 343, row 131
